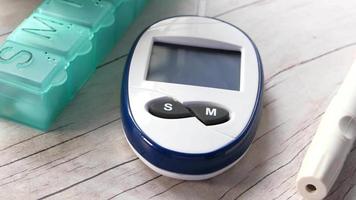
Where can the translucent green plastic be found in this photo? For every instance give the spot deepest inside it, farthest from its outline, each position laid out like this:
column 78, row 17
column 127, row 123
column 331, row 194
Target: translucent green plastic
column 50, row 56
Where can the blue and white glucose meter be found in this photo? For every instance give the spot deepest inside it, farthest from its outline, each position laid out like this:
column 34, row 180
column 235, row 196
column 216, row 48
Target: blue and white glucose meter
column 191, row 96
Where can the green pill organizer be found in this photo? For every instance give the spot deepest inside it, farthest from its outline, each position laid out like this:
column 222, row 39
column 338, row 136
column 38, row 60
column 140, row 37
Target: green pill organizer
column 51, row 55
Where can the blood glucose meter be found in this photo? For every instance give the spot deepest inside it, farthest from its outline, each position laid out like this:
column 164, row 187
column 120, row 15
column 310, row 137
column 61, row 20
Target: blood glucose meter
column 191, row 96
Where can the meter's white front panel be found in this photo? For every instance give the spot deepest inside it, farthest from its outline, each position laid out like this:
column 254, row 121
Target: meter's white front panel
column 189, row 135
column 182, row 135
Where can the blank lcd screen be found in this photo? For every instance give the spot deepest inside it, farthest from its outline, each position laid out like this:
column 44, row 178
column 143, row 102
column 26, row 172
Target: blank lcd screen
column 196, row 66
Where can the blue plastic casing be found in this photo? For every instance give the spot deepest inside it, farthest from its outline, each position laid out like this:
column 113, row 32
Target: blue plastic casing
column 182, row 163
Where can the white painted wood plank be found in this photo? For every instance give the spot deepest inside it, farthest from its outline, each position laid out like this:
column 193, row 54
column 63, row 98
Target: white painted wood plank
column 88, row 157
column 109, row 141
column 222, row 7
column 351, row 193
column 289, row 32
column 13, row 12
column 156, row 10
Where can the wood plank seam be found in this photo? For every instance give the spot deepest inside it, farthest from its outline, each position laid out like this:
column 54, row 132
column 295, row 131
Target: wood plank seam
column 36, row 136
column 347, row 192
column 233, row 187
column 166, row 190
column 313, row 122
column 268, row 132
column 136, row 186
column 87, row 179
column 284, row 181
column 112, row 61
column 275, row 170
column 340, row 184
column 12, row 175
column 281, row 194
column 58, row 144
column 9, row 182
column 61, row 163
column 4, row 34
column 272, row 101
column 292, row 195
column 239, row 7
column 47, row 163
column 310, row 60
column 257, row 166
column 69, row 160
column 267, row 88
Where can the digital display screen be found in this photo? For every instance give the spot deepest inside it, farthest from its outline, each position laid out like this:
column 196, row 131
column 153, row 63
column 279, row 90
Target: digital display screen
column 196, row 66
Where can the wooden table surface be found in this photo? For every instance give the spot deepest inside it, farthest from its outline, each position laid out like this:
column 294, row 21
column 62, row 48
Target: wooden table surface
column 307, row 46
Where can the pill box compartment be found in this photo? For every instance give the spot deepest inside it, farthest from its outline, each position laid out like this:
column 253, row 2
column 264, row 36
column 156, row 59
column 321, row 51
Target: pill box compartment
column 51, row 55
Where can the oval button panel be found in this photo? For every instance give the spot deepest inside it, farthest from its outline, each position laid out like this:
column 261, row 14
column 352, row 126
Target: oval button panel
column 208, row 114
